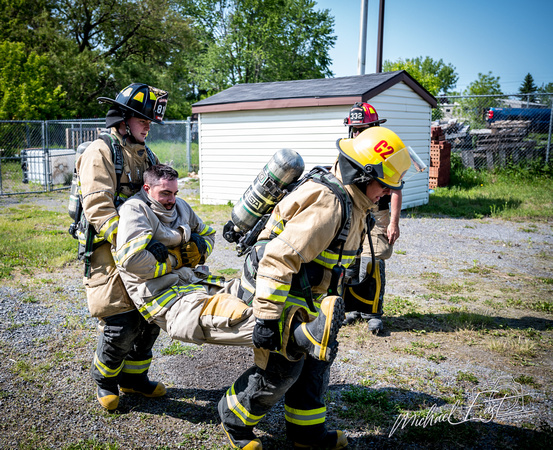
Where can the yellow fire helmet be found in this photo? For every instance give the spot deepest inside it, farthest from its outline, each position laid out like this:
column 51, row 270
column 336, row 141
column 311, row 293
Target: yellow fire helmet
column 376, row 153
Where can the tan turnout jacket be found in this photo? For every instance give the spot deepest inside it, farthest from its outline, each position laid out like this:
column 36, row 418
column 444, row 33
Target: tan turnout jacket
column 145, row 277
column 105, row 291
column 306, row 221
column 182, row 301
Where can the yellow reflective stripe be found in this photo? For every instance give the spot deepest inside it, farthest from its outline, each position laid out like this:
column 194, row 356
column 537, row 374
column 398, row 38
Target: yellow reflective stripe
column 160, row 269
column 388, row 171
column 272, row 290
column 105, row 370
column 276, row 223
column 327, row 259
column 292, row 300
column 239, row 410
column 133, row 246
column 246, row 285
column 109, row 229
column 206, row 230
column 98, row 239
column 305, row 417
column 166, row 299
column 136, row 366
column 348, row 260
column 213, row 279
column 209, row 247
column 82, row 240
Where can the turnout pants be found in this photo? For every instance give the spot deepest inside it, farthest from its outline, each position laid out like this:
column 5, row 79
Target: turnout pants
column 124, row 352
column 195, row 314
column 304, row 384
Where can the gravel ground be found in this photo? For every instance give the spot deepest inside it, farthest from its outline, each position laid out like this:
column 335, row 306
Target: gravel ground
column 47, row 399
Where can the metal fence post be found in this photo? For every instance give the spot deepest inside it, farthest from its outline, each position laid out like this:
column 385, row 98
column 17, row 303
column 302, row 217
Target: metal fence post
column 44, row 147
column 549, row 135
column 188, row 144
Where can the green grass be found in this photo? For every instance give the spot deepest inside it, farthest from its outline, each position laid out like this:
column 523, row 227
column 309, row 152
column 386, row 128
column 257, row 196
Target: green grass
column 92, row 444
column 467, row 376
column 34, row 238
column 461, row 319
column 515, row 192
column 168, row 151
column 368, row 405
column 177, row 348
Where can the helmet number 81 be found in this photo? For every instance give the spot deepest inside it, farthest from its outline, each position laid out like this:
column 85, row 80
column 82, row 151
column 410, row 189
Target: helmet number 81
column 383, row 145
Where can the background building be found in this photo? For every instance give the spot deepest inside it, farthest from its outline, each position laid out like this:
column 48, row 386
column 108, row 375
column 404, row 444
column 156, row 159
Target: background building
column 242, row 127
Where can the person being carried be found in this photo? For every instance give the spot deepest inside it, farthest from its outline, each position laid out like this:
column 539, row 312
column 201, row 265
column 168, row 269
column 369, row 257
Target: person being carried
column 109, row 172
column 161, row 247
column 298, row 260
column 385, row 231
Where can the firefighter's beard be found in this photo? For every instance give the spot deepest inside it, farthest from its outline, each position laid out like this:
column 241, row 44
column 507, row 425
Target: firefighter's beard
column 161, row 210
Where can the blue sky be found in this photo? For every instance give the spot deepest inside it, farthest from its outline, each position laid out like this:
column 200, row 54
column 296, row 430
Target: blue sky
column 507, row 37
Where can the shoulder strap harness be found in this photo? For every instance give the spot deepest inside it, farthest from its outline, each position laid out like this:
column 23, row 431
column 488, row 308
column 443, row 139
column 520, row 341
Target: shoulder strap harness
column 117, row 157
column 300, row 282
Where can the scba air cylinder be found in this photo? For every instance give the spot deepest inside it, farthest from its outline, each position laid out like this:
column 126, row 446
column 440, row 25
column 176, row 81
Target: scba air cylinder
column 284, row 168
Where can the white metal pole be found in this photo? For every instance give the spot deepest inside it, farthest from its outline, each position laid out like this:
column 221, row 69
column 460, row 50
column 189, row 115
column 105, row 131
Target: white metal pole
column 362, row 38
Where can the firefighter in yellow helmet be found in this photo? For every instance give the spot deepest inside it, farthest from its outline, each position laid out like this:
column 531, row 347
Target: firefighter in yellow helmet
column 110, row 171
column 383, row 234
column 299, row 259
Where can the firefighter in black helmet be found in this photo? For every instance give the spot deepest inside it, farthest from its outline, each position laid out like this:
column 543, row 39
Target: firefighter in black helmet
column 124, row 349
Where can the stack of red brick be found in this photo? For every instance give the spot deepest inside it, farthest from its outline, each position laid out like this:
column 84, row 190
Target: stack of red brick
column 440, row 159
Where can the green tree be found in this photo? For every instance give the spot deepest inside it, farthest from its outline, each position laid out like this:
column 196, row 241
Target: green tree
column 188, row 47
column 96, row 48
column 27, row 88
column 116, row 42
column 250, row 41
column 436, row 77
column 546, row 88
column 528, row 87
column 26, row 21
column 485, row 84
column 475, row 106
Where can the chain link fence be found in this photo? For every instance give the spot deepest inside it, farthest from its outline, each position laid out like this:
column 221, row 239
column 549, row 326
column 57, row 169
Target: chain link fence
column 490, row 131
column 39, row 156
column 487, row 131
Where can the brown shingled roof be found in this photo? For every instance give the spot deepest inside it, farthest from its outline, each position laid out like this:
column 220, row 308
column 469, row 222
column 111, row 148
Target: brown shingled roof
column 301, row 93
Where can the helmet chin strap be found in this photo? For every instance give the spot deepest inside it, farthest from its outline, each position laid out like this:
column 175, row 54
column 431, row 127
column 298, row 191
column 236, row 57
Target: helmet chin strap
column 128, row 133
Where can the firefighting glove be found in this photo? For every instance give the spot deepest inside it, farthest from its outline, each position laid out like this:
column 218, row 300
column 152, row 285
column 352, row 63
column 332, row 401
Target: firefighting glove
column 178, row 257
column 193, row 252
column 266, row 334
column 158, row 249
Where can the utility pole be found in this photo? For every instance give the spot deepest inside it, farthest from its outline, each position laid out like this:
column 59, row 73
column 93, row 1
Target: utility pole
column 362, row 38
column 380, row 37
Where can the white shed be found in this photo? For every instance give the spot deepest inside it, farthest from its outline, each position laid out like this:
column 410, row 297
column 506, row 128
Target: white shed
column 242, row 127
